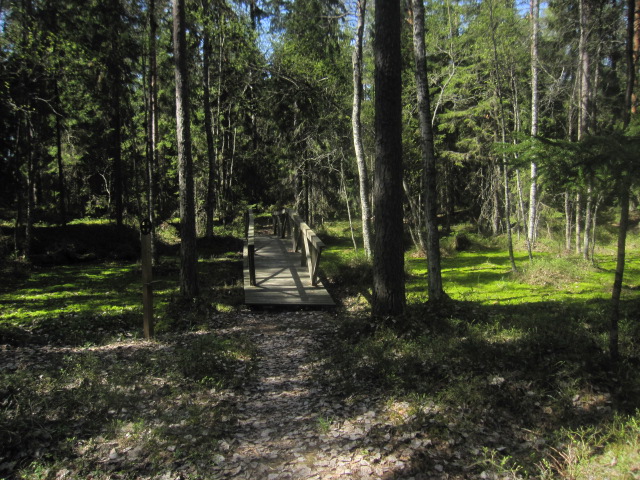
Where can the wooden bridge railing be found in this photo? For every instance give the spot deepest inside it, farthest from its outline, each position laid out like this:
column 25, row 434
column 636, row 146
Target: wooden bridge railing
column 287, row 222
column 249, row 233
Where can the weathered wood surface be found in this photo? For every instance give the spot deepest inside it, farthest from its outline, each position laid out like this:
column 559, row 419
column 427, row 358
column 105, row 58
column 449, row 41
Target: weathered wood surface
column 280, row 277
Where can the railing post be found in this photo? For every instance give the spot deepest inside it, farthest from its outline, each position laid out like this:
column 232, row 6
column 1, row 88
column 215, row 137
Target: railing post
column 282, row 216
column 252, row 264
column 251, row 249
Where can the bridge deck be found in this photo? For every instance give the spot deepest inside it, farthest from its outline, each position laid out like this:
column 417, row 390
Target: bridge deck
column 280, row 279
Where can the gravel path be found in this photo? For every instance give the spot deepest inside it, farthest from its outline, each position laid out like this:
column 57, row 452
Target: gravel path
column 292, row 427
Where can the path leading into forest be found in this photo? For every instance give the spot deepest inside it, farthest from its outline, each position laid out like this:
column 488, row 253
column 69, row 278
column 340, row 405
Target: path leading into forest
column 292, row 426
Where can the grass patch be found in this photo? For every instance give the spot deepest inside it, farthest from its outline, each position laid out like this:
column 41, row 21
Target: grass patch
column 122, row 407
column 513, row 371
column 81, row 395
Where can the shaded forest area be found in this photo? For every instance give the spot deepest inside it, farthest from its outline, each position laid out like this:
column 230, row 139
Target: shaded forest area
column 89, row 111
column 472, row 167
column 499, row 114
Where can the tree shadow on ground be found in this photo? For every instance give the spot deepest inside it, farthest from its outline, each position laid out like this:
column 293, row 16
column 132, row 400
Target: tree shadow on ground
column 57, row 399
column 507, row 380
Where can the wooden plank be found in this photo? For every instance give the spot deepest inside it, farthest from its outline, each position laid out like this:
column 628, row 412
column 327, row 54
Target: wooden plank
column 280, row 279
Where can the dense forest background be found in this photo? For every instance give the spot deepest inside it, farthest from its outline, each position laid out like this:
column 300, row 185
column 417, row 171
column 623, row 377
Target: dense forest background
column 88, row 108
column 471, row 166
column 532, row 113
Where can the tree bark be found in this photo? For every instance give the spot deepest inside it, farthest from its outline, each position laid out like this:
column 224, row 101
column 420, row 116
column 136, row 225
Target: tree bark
column 388, row 252
column 365, row 205
column 636, row 55
column 567, row 225
column 495, row 199
column 416, row 229
column 533, row 192
column 208, row 127
column 154, row 139
column 434, row 273
column 28, row 237
column 188, row 248
column 587, row 220
column 116, row 152
column 505, row 166
column 617, row 283
column 632, row 57
column 61, row 183
column 578, row 223
column 585, row 71
column 116, row 80
column 346, row 200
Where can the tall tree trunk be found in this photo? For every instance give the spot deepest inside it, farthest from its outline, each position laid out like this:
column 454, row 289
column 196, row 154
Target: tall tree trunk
column 388, row 252
column 218, row 131
column 578, row 222
column 116, row 152
column 415, row 215
column 567, row 225
column 28, row 237
column 617, row 283
column 633, row 40
column 594, row 222
column 523, row 215
column 188, row 247
column 587, row 220
column 61, row 183
column 495, row 199
column 448, row 197
column 632, row 57
column 505, row 166
column 585, row 70
column 507, row 214
column 636, row 56
column 154, row 139
column 430, row 189
column 208, row 126
column 365, row 206
column 115, row 78
column 533, row 192
column 343, row 186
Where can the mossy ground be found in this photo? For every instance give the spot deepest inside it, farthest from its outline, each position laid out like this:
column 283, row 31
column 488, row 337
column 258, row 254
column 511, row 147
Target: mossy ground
column 516, row 363
column 513, row 370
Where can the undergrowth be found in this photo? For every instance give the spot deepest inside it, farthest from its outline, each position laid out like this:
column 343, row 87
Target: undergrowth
column 514, row 365
column 82, row 395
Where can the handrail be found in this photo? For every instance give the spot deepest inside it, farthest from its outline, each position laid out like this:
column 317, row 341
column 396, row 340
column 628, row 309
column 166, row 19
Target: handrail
column 249, row 232
column 288, row 222
column 279, row 219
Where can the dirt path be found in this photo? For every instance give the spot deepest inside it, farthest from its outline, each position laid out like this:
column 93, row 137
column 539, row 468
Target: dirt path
column 292, row 427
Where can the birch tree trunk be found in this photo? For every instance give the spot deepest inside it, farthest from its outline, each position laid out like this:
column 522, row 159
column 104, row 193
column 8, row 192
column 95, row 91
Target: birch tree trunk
column 365, row 205
column 533, row 192
column 567, row 225
column 587, row 221
column 434, row 274
column 636, row 55
column 578, row 223
column 188, row 248
column 585, row 71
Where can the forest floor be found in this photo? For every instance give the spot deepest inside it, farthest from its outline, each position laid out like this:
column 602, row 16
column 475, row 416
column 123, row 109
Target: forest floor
column 485, row 386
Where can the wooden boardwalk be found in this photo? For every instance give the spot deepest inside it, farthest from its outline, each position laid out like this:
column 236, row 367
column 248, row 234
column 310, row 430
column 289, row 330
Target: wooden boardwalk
column 280, row 278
